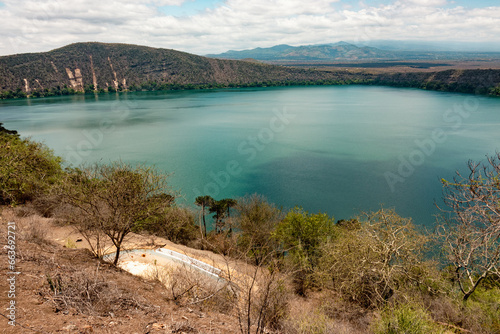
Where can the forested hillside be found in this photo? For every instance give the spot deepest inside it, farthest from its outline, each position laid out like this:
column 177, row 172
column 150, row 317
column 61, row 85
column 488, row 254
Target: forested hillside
column 97, row 66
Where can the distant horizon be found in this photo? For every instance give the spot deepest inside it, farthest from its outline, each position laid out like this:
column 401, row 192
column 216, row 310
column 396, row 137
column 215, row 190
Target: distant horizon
column 215, row 26
column 391, row 45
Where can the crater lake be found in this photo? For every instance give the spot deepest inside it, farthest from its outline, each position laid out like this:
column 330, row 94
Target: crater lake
column 334, row 149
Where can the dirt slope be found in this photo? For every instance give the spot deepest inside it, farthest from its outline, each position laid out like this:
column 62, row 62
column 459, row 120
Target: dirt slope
column 62, row 290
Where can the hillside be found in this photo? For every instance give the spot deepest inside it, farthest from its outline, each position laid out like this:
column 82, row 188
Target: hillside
column 91, row 296
column 98, row 66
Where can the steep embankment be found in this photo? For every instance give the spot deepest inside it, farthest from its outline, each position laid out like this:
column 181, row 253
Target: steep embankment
column 96, row 66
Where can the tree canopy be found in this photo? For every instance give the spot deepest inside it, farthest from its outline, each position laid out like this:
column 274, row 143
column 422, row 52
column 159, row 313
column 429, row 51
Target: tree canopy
column 112, row 199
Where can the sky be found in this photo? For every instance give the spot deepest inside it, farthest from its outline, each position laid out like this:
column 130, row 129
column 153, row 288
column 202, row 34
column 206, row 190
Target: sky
column 215, row 26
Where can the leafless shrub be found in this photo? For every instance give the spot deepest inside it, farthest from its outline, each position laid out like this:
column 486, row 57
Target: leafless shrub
column 444, row 310
column 186, row 286
column 46, row 205
column 471, row 233
column 24, row 211
column 346, row 312
column 183, row 327
column 88, row 292
column 32, row 231
column 263, row 297
column 220, row 243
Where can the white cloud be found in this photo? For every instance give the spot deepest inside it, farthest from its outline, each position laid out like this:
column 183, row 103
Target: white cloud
column 35, row 25
column 430, row 3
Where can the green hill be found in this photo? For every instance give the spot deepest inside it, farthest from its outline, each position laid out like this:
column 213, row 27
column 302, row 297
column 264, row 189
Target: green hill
column 88, row 67
column 98, row 66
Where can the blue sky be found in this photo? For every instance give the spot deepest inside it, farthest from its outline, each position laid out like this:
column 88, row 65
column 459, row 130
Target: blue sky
column 195, row 6
column 189, row 8
column 454, row 3
column 214, row 26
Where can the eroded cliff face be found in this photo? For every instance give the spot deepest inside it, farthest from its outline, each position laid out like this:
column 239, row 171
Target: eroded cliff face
column 84, row 67
column 26, row 86
column 94, row 78
column 115, row 78
column 75, row 80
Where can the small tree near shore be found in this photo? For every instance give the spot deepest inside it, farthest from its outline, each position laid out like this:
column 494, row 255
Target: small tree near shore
column 108, row 200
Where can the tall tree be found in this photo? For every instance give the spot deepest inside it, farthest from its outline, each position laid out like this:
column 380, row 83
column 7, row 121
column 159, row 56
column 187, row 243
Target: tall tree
column 111, row 199
column 219, row 208
column 204, row 202
column 368, row 261
column 229, row 203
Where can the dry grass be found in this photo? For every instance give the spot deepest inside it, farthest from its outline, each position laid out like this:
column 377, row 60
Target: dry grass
column 323, row 312
column 29, row 226
column 186, row 286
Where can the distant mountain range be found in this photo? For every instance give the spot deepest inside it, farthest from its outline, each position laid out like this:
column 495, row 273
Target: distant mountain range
column 343, row 51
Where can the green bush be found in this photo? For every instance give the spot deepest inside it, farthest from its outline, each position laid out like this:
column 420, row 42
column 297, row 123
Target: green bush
column 173, row 223
column 406, row 319
column 312, row 322
column 482, row 311
column 28, row 169
column 300, row 236
column 255, row 222
column 370, row 264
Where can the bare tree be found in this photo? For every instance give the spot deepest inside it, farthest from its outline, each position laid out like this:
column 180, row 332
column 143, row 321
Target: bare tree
column 471, row 232
column 110, row 199
column 262, row 296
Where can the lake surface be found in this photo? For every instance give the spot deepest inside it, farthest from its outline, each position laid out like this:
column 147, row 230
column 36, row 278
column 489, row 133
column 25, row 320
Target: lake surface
column 335, row 149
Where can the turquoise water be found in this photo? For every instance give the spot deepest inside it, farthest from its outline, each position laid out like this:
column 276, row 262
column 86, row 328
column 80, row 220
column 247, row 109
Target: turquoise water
column 339, row 150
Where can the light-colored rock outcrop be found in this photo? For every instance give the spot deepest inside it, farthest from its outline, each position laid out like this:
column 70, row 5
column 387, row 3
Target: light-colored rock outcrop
column 75, row 80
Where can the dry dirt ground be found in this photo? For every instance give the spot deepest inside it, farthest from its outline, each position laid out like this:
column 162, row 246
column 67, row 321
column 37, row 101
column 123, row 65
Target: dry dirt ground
column 67, row 290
